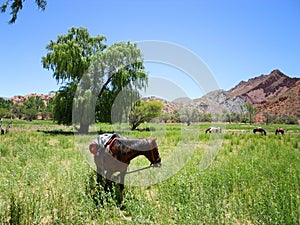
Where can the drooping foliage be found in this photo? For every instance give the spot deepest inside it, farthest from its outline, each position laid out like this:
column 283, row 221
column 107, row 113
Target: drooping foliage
column 17, row 5
column 91, row 75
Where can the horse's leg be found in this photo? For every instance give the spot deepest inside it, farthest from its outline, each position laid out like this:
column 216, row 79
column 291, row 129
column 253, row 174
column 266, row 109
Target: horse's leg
column 108, row 181
column 99, row 179
column 122, row 181
column 121, row 188
column 100, row 174
column 100, row 169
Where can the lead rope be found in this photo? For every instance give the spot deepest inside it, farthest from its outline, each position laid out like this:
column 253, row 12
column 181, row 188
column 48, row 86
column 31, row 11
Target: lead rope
column 137, row 170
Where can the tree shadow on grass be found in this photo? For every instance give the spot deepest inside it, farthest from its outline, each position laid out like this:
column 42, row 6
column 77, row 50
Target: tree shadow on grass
column 66, row 133
column 63, row 132
column 57, row 132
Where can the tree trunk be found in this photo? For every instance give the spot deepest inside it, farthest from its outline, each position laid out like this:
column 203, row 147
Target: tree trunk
column 84, row 129
column 134, row 126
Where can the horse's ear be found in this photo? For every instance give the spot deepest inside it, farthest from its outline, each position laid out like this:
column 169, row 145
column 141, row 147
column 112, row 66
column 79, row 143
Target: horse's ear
column 154, row 138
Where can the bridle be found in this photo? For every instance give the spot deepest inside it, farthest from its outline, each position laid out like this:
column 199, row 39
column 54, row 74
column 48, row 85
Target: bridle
column 155, row 162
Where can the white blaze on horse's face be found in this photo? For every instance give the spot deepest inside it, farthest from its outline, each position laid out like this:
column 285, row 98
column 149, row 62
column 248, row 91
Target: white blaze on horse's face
column 157, row 164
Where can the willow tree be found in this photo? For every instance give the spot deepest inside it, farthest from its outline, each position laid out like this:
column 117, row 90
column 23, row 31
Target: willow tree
column 17, row 5
column 110, row 74
column 86, row 69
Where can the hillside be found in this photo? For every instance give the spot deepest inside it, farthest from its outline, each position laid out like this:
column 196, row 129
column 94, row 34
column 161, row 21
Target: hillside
column 219, row 100
column 20, row 99
column 275, row 94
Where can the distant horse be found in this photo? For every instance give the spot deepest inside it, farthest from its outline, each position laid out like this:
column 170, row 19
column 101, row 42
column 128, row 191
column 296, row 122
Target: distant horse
column 213, row 130
column 279, row 130
column 260, row 130
column 118, row 153
column 6, row 129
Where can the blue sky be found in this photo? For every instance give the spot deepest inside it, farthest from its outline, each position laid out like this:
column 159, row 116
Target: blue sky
column 237, row 40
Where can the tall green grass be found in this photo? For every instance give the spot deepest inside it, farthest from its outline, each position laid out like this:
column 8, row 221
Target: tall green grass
column 254, row 179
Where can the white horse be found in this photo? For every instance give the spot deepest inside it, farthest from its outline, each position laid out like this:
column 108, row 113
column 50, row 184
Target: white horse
column 213, row 130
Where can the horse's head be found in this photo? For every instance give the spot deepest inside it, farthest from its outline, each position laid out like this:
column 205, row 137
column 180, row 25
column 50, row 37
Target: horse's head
column 153, row 155
column 208, row 130
column 156, row 160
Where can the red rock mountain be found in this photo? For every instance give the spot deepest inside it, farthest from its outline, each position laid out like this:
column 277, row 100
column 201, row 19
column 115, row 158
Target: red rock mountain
column 20, row 99
column 275, row 93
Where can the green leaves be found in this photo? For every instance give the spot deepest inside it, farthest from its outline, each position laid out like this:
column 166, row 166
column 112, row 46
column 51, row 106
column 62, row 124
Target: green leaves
column 89, row 71
column 69, row 57
column 144, row 112
column 17, row 5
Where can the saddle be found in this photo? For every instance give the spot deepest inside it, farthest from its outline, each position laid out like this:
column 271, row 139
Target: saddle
column 102, row 142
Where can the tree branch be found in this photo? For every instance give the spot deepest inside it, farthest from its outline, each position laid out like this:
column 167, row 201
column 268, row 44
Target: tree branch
column 105, row 84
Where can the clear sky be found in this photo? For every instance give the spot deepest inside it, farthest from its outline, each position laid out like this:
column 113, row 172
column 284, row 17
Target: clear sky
column 237, row 40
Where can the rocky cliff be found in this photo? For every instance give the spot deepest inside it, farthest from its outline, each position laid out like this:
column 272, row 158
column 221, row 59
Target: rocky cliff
column 20, row 99
column 275, row 94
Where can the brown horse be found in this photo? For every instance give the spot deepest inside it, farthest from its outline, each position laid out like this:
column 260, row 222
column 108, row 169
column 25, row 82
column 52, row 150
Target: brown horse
column 260, row 130
column 279, row 130
column 116, row 155
column 213, row 130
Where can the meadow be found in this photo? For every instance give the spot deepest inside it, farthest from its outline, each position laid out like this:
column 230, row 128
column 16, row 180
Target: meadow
column 253, row 179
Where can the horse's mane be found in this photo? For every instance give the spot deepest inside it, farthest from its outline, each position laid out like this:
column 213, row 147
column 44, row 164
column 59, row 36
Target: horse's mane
column 140, row 144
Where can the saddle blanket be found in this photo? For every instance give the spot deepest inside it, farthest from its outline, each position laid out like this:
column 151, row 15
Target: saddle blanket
column 104, row 139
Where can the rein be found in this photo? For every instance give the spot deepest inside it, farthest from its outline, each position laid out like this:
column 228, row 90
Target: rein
column 137, row 170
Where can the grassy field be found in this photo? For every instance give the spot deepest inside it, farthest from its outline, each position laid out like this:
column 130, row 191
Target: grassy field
column 254, row 179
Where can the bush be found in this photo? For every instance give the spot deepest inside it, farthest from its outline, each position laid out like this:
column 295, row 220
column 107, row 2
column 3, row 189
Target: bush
column 286, row 120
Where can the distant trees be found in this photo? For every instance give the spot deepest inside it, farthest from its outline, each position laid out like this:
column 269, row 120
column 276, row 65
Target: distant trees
column 32, row 106
column 31, row 109
column 36, row 108
column 188, row 115
column 285, row 119
column 4, row 107
column 251, row 111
